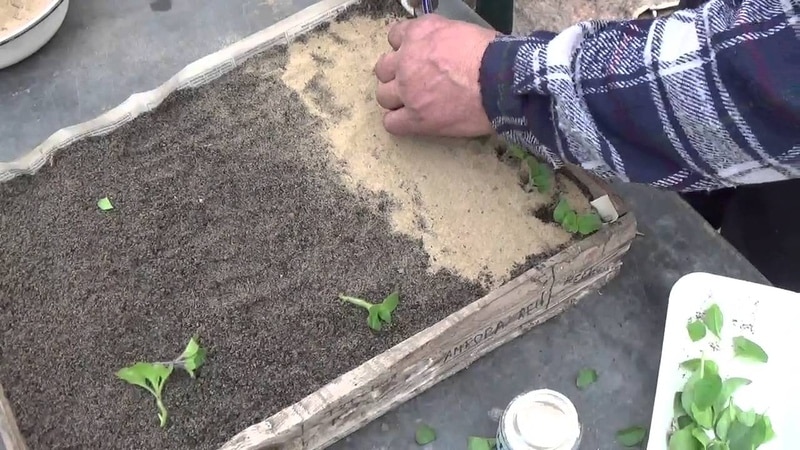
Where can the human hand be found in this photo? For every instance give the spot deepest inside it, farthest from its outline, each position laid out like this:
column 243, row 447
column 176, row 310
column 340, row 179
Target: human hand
column 429, row 83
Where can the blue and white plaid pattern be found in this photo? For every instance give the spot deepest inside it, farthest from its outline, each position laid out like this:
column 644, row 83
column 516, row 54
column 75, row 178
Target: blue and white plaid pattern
column 698, row 100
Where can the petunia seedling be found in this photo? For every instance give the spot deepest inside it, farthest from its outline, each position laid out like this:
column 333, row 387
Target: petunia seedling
column 585, row 378
column 152, row 377
column 572, row 222
column 481, row 443
column 539, row 175
column 425, row 434
column 192, row 357
column 746, row 349
column 632, row 436
column 712, row 318
column 378, row 314
column 697, row 330
column 105, row 204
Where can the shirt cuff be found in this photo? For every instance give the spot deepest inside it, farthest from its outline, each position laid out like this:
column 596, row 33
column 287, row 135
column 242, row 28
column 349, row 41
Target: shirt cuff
column 521, row 116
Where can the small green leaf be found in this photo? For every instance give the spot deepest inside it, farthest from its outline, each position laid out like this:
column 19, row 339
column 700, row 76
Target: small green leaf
column 684, row 421
column 759, row 431
column 747, row 418
column 693, row 365
column 105, row 204
column 387, row 307
column 677, row 407
column 585, row 378
column 425, row 434
column 687, row 396
column 518, row 152
column 562, row 208
column 724, row 423
column 713, row 319
column 135, row 375
column 747, row 349
column 570, row 222
column 631, row 437
column 704, row 417
column 701, row 437
column 543, row 183
column 697, row 330
column 539, row 175
column 151, row 377
column 770, row 432
column 729, row 386
column 684, row 439
column 589, row 223
column 481, row 443
column 374, row 319
column 740, row 436
column 706, row 390
column 193, row 357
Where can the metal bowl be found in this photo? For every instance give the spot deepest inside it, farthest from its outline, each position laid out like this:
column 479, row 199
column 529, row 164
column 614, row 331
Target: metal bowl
column 28, row 39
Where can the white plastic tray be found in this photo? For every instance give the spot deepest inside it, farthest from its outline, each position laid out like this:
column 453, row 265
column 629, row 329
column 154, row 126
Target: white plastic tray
column 767, row 315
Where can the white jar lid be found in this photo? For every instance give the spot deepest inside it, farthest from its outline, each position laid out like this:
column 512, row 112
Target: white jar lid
column 541, row 420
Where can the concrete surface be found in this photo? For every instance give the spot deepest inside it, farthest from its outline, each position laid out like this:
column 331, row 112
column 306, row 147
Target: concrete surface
column 110, row 49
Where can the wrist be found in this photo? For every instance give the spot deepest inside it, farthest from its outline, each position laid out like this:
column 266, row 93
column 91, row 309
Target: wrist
column 517, row 114
column 496, row 79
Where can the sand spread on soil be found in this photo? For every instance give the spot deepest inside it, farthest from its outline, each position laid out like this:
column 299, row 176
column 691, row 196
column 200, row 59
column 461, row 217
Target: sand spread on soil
column 465, row 204
column 15, row 14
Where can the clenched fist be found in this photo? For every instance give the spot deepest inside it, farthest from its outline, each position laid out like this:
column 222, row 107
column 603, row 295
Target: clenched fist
column 429, row 82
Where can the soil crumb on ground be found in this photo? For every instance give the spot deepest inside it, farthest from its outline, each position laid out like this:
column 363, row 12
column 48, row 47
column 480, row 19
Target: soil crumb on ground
column 229, row 222
column 15, row 14
column 456, row 195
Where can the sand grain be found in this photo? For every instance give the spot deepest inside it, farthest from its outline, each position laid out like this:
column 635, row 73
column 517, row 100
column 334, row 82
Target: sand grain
column 455, row 194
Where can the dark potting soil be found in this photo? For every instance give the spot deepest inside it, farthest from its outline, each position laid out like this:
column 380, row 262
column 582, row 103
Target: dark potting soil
column 230, row 223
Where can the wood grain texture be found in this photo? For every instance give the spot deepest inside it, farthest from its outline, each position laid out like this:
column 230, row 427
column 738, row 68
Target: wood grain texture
column 399, row 374
column 10, row 437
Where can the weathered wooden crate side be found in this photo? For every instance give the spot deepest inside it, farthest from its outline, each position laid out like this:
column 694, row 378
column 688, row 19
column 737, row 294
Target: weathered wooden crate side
column 10, row 437
column 404, row 371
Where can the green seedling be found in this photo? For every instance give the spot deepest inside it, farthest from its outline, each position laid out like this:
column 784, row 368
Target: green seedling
column 712, row 318
column 481, row 443
column 378, row 313
column 105, row 204
column 425, row 434
column 153, row 376
column 192, row 358
column 539, row 175
column 693, row 365
column 697, row 330
column 705, row 416
column 586, row 377
column 572, row 222
column 631, row 437
column 747, row 349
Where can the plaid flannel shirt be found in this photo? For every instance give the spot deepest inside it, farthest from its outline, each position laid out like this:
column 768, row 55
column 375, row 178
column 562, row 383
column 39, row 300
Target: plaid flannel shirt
column 701, row 99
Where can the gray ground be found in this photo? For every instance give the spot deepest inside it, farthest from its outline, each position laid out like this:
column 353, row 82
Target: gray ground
column 555, row 15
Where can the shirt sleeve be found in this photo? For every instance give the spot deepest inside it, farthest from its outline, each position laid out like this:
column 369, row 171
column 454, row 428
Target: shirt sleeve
column 701, row 99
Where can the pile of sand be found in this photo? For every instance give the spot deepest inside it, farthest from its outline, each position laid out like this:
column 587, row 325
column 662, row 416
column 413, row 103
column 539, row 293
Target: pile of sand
column 456, row 195
column 15, row 14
